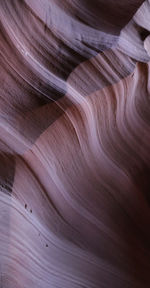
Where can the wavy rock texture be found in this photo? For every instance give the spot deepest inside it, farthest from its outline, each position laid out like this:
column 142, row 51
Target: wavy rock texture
column 74, row 144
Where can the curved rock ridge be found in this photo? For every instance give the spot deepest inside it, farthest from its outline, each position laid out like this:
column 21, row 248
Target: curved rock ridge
column 74, row 144
column 133, row 35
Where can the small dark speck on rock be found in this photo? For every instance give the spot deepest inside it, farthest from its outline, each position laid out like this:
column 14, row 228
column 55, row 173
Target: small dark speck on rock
column 46, row 245
column 30, row 210
column 25, row 206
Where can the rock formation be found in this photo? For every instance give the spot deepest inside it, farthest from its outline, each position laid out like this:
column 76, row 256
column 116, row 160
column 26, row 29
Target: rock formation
column 74, row 144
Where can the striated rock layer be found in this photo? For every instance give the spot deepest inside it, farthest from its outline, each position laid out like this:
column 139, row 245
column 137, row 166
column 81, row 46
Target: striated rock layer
column 74, row 144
